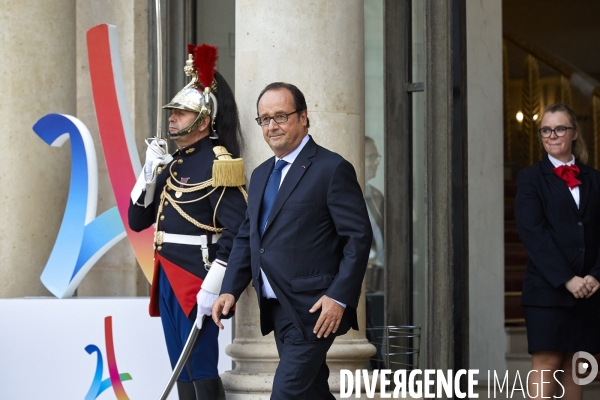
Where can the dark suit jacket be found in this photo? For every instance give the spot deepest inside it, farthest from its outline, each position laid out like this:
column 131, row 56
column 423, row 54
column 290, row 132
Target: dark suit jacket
column 316, row 242
column 562, row 241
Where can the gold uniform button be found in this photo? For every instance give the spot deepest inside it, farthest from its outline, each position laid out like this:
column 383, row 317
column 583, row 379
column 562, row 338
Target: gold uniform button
column 169, row 189
column 180, row 161
column 162, row 217
column 174, row 173
column 166, row 203
column 159, row 248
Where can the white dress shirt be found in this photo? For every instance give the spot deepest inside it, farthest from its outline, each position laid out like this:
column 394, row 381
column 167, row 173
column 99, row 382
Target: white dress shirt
column 558, row 163
column 266, row 289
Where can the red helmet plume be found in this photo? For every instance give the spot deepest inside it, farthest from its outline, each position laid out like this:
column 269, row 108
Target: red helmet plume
column 205, row 60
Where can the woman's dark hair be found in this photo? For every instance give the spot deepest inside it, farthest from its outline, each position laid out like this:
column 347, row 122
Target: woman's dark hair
column 299, row 101
column 579, row 147
column 227, row 123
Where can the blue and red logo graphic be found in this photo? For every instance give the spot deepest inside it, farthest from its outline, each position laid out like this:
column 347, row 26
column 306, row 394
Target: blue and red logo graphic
column 115, row 379
column 84, row 237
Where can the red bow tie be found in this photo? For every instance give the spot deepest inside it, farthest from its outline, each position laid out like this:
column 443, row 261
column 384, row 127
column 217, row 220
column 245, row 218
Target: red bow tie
column 569, row 174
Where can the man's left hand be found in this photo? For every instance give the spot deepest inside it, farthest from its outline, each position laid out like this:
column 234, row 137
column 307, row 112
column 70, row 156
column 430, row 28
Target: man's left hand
column 592, row 284
column 330, row 318
column 221, row 307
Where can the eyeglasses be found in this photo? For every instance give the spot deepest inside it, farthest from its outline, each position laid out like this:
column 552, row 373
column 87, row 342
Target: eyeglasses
column 559, row 130
column 279, row 119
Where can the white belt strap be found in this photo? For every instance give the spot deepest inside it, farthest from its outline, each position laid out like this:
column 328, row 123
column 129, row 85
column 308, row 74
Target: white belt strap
column 182, row 239
column 204, row 248
column 194, row 240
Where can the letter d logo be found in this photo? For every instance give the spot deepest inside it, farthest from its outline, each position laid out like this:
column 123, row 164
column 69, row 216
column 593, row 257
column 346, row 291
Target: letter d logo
column 581, row 368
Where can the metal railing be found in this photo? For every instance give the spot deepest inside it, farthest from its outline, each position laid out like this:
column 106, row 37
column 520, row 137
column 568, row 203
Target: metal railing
column 398, row 347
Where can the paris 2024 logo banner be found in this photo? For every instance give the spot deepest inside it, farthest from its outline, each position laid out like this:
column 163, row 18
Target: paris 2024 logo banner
column 84, row 236
column 115, row 379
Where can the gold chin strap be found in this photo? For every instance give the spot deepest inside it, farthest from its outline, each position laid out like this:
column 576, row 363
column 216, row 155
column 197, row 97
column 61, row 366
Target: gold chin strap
column 204, row 112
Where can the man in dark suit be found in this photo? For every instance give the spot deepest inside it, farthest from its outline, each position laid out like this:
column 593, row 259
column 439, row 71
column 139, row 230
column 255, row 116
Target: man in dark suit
column 304, row 245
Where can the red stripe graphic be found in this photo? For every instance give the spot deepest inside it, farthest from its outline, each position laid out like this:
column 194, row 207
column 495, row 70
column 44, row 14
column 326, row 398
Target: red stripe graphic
column 116, row 135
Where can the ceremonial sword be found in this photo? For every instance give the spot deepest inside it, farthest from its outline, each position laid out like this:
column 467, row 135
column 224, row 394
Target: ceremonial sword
column 193, row 337
column 195, row 332
column 159, row 84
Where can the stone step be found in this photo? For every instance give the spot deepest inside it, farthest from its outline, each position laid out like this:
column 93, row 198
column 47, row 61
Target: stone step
column 518, row 362
column 516, row 340
column 590, row 392
column 513, row 312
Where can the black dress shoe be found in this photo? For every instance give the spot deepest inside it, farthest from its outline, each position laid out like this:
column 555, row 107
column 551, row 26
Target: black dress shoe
column 209, row 389
column 186, row 390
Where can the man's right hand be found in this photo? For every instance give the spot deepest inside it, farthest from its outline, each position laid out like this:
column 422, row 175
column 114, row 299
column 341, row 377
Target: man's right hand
column 577, row 286
column 221, row 306
column 154, row 151
column 592, row 284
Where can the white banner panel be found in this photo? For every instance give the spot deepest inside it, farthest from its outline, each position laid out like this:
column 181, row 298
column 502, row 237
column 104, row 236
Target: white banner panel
column 52, row 349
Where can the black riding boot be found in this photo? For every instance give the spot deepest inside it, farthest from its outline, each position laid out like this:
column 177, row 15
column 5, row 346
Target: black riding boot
column 186, row 390
column 211, row 388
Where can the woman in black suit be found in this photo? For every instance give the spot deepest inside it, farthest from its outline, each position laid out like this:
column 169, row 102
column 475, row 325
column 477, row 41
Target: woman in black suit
column 558, row 216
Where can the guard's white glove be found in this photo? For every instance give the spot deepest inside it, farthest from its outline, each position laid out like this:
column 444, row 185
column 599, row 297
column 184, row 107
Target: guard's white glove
column 205, row 301
column 156, row 154
column 211, row 285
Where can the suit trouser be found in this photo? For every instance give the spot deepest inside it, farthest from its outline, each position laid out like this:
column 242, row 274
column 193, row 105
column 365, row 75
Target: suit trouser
column 177, row 326
column 302, row 372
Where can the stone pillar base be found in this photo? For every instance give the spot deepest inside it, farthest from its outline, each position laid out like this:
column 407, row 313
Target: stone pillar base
column 247, row 386
column 346, row 353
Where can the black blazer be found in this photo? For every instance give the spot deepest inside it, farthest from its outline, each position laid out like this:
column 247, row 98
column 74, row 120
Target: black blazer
column 316, row 242
column 562, row 241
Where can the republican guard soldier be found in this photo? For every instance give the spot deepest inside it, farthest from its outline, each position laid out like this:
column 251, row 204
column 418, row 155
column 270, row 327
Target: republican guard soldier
column 196, row 200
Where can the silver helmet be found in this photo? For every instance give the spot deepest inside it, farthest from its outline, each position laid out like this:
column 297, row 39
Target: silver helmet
column 198, row 95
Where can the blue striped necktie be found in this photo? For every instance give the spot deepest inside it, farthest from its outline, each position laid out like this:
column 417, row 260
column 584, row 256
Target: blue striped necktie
column 270, row 194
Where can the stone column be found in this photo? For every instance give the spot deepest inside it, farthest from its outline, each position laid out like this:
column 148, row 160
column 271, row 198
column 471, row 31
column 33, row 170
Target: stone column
column 37, row 77
column 486, row 196
column 317, row 46
column 117, row 272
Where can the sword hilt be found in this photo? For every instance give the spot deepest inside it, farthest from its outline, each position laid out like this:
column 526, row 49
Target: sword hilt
column 162, row 143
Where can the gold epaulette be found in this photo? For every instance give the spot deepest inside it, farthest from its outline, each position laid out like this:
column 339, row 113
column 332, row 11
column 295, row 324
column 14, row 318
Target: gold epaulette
column 227, row 171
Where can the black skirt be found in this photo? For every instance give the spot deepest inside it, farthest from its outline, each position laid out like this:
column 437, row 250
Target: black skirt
column 564, row 329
